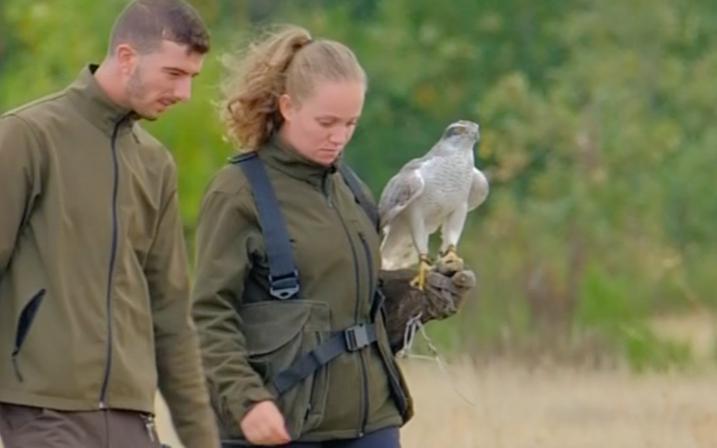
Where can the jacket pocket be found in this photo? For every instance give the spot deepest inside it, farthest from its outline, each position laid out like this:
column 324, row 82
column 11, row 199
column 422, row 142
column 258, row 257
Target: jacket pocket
column 25, row 320
column 277, row 334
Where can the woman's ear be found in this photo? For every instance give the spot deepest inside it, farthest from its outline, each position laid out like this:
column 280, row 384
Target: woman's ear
column 286, row 107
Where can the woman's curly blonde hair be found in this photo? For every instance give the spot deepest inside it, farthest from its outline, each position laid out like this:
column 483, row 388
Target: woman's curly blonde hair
column 289, row 61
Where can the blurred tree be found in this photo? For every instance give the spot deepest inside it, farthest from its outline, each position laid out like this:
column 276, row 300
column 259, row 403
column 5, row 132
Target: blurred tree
column 606, row 167
column 596, row 124
column 4, row 44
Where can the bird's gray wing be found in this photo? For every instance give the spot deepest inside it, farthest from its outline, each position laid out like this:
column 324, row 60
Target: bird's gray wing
column 479, row 189
column 403, row 188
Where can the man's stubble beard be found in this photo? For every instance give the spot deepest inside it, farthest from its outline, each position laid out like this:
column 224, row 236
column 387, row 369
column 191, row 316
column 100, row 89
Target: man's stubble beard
column 136, row 93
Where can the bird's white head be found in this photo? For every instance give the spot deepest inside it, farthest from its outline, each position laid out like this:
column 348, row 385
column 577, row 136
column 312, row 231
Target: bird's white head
column 462, row 133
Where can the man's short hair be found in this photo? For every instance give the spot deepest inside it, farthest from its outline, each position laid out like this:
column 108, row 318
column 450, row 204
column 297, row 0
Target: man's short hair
column 144, row 24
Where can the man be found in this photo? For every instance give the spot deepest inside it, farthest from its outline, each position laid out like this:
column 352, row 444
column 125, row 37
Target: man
column 94, row 310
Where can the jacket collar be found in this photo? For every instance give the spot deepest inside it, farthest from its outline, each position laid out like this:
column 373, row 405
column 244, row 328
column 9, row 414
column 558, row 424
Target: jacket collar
column 94, row 104
column 282, row 156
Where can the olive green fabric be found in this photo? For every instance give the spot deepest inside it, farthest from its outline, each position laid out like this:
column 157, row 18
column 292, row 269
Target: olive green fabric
column 247, row 335
column 93, row 271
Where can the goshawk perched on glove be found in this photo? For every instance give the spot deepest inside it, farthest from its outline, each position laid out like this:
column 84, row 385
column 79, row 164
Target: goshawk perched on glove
column 436, row 190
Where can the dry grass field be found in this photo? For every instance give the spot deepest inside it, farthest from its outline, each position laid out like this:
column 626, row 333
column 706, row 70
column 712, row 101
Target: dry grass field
column 558, row 407
column 562, row 408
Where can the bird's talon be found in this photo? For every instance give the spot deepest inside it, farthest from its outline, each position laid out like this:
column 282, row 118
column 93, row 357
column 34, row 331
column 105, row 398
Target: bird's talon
column 450, row 259
column 424, row 266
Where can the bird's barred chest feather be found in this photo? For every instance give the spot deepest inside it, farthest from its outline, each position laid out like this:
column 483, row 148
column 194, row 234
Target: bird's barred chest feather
column 448, row 180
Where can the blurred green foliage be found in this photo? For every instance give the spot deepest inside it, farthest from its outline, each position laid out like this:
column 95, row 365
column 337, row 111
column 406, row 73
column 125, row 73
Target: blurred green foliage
column 597, row 133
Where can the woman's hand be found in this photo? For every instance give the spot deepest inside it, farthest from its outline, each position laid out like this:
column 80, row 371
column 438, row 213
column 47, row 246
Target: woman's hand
column 264, row 425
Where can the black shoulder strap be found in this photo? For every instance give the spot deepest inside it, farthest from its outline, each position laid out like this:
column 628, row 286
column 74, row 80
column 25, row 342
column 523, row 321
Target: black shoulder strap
column 355, row 185
column 283, row 275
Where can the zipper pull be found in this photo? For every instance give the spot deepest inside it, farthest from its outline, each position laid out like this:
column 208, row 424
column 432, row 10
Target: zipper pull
column 149, row 424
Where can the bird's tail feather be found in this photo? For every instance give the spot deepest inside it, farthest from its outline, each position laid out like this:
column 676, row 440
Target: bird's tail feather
column 397, row 251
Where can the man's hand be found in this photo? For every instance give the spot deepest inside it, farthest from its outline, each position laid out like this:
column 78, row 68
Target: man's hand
column 264, row 425
column 441, row 297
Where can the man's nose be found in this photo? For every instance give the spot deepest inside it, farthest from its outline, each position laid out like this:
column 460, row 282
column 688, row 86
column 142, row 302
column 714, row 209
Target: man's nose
column 183, row 89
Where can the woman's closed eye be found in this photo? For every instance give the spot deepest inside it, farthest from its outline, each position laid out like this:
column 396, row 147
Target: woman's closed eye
column 328, row 123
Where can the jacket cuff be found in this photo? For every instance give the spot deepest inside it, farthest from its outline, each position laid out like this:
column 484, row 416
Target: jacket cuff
column 239, row 408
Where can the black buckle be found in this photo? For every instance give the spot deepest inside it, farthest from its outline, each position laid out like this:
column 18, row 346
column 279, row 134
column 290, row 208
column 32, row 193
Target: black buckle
column 284, row 287
column 356, row 337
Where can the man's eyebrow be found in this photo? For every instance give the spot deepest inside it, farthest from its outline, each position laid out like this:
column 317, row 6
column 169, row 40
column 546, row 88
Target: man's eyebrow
column 182, row 71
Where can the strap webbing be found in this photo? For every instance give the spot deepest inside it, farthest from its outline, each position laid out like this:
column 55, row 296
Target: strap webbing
column 349, row 340
column 355, row 185
column 283, row 275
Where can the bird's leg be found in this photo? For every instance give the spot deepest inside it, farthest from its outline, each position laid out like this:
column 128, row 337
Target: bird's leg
column 423, row 267
column 452, row 228
column 420, row 237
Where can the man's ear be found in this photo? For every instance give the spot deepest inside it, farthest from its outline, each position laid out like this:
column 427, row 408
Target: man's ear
column 126, row 58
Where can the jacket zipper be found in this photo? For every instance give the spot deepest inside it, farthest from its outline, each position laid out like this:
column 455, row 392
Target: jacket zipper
column 369, row 262
column 369, row 265
column 325, row 190
column 313, row 392
column 393, row 374
column 392, row 371
column 113, row 256
column 364, row 383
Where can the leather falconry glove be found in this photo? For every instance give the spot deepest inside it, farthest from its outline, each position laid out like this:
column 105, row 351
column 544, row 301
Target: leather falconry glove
column 441, row 297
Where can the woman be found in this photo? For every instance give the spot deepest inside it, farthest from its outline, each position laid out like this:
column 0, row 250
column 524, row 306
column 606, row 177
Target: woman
column 292, row 107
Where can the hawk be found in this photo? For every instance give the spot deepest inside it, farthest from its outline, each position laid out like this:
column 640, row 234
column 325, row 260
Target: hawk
column 436, row 190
